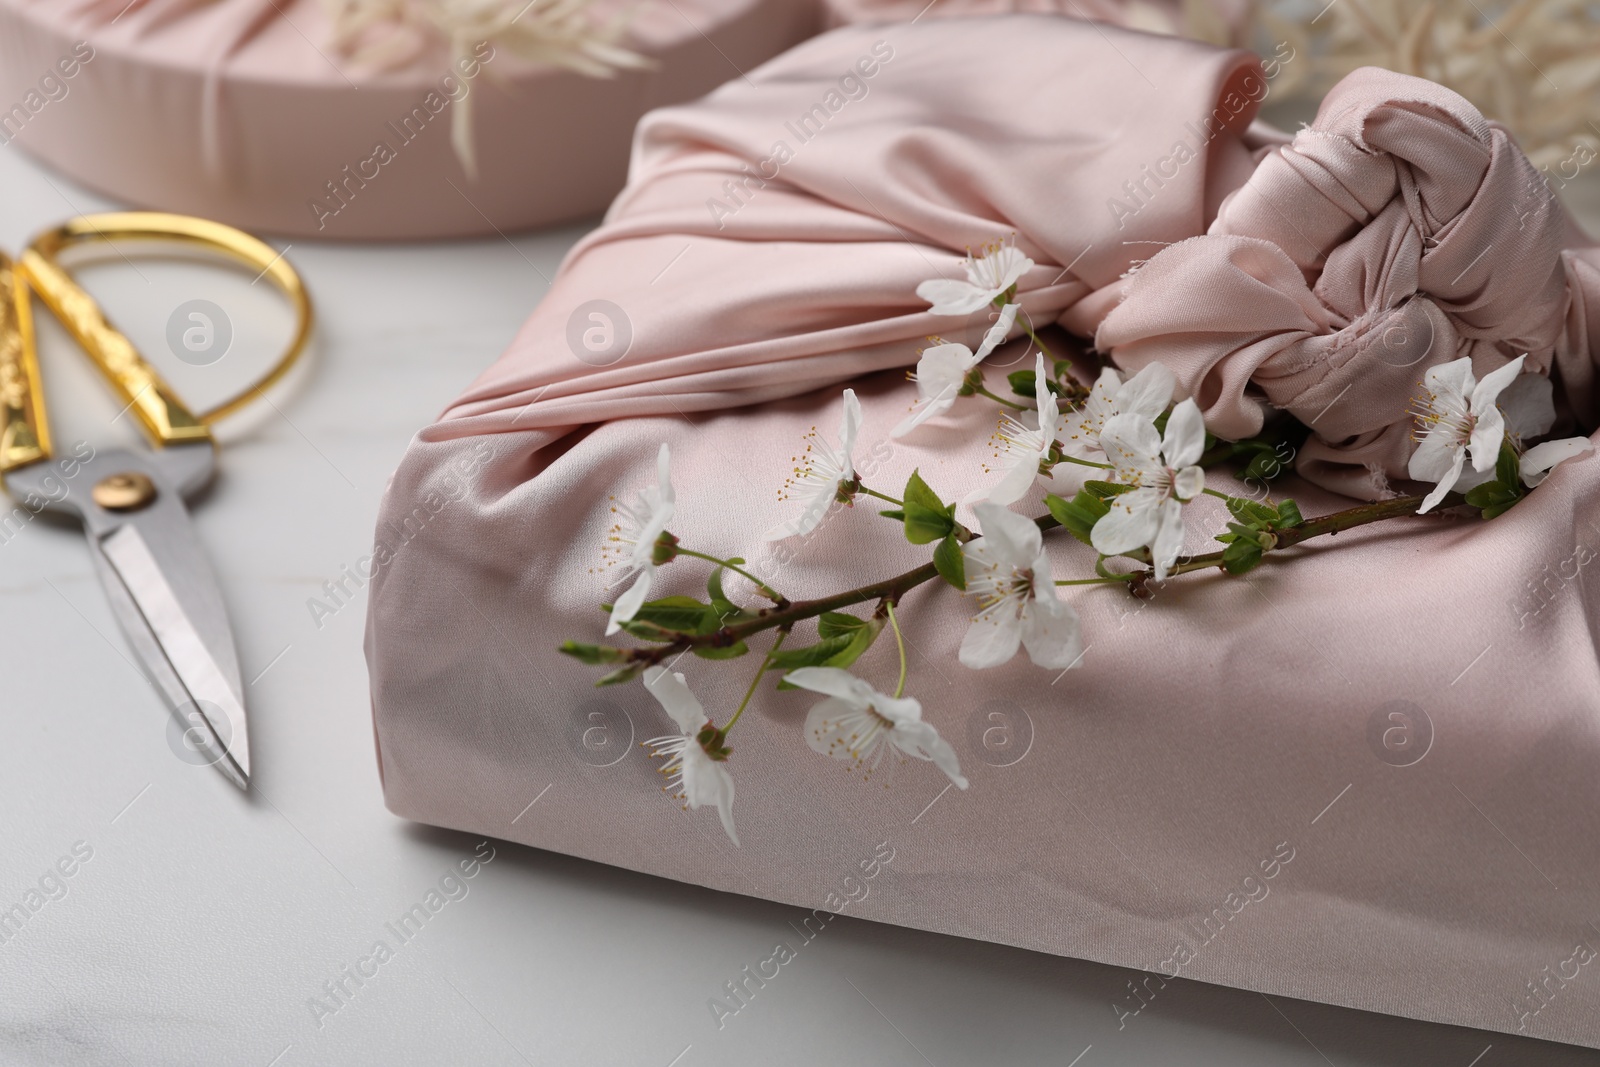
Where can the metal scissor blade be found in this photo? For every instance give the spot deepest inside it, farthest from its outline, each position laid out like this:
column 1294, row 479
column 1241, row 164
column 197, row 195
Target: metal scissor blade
column 172, row 604
column 196, row 738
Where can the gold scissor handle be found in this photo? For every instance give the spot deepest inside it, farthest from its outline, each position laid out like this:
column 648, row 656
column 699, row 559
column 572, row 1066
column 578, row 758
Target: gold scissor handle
column 25, row 434
column 24, row 431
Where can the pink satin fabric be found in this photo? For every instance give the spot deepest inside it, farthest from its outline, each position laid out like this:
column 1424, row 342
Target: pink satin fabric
column 1399, row 231
column 239, row 110
column 1117, row 810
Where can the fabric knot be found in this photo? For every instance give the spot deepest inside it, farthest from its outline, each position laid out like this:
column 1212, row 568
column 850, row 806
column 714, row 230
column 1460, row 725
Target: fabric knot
column 1401, row 230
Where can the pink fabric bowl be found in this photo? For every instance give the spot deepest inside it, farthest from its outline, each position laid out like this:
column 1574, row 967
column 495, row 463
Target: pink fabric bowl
column 281, row 116
column 1367, row 778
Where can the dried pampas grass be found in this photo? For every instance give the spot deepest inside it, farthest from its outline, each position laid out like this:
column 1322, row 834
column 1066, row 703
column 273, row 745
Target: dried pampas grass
column 1532, row 65
column 389, row 34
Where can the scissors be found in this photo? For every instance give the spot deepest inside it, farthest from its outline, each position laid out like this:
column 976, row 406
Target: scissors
column 131, row 503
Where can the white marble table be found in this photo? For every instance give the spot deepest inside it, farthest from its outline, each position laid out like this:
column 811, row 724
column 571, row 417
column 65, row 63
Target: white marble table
column 203, row 923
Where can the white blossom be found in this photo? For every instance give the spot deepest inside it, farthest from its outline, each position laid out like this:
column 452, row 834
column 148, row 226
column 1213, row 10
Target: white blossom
column 631, row 541
column 1009, row 573
column 858, row 723
column 942, row 372
column 1024, row 443
column 821, row 475
column 1460, row 418
column 988, row 275
column 694, row 776
column 1146, row 394
column 1162, row 470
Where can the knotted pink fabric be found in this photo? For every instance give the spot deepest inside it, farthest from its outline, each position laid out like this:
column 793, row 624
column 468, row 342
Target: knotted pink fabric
column 1365, row 775
column 1399, row 231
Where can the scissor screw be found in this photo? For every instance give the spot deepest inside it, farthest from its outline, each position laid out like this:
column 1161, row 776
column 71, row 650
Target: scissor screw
column 124, row 491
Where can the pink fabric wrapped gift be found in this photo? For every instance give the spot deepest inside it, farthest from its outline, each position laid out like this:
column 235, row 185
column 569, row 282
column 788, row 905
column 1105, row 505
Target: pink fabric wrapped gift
column 1366, row 778
column 1216, row 21
column 243, row 111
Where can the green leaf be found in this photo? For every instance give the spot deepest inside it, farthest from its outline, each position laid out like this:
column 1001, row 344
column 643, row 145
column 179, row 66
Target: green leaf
column 733, row 651
column 837, row 650
column 860, row 641
column 1497, row 497
column 1489, row 494
column 816, row 655
column 1508, row 468
column 950, row 562
column 927, row 518
column 1494, row 498
column 1264, row 465
column 925, row 527
column 1025, row 383
column 917, row 492
column 838, row 624
column 680, row 614
column 1253, row 513
column 895, row 514
column 648, row 632
column 1078, row 515
column 1289, row 515
column 726, row 610
column 1241, row 556
column 620, row 675
column 594, row 654
column 1107, row 489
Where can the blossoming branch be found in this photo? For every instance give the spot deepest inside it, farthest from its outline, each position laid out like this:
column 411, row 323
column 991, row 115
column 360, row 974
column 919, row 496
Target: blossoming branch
column 1114, row 466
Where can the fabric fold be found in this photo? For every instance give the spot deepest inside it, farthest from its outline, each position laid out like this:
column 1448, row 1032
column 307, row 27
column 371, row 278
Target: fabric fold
column 1422, row 234
column 858, row 165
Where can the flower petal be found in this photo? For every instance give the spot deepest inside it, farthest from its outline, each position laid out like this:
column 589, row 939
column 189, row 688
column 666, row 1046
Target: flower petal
column 1147, row 393
column 809, row 519
column 664, row 480
column 1051, row 633
column 673, row 694
column 839, row 729
column 626, row 606
column 921, row 740
column 1133, row 521
column 1008, row 537
column 1447, row 480
column 943, row 367
column 1488, row 390
column 1132, row 445
column 1019, row 476
column 992, row 639
column 1008, row 265
column 849, row 426
column 705, row 781
column 1188, row 483
column 1168, row 541
column 951, row 297
column 1044, row 398
column 1449, row 384
column 996, row 334
column 897, row 709
column 1529, row 406
column 1487, row 434
column 1185, row 438
column 924, row 410
column 834, row 682
column 1539, row 460
column 1435, row 455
